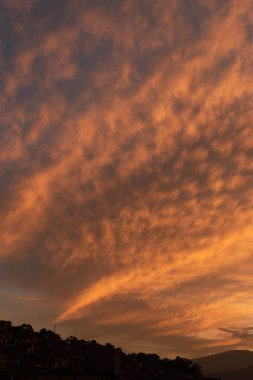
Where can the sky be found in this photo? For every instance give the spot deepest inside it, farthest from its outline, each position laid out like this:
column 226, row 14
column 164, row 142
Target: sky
column 126, row 171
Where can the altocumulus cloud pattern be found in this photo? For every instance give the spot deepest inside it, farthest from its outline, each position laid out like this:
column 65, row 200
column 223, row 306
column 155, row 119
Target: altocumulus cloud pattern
column 126, row 171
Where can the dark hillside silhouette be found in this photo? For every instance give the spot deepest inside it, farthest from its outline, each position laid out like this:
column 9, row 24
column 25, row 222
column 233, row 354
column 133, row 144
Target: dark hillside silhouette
column 243, row 374
column 28, row 355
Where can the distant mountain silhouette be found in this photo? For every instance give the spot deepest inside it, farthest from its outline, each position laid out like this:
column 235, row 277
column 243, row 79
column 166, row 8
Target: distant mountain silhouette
column 229, row 365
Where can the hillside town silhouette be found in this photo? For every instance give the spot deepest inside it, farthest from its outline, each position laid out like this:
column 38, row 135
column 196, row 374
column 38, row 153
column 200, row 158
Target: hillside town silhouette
column 29, row 355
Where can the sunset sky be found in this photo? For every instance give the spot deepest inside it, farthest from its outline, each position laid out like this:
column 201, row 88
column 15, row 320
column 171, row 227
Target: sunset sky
column 126, row 171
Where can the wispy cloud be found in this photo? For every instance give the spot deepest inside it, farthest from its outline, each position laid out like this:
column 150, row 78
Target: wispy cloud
column 244, row 333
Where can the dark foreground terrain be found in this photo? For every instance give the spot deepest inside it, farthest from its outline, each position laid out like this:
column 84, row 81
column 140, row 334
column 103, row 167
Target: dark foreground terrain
column 29, row 355
column 229, row 365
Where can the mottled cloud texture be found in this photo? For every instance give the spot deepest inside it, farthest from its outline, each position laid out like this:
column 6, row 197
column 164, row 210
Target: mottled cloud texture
column 126, row 170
